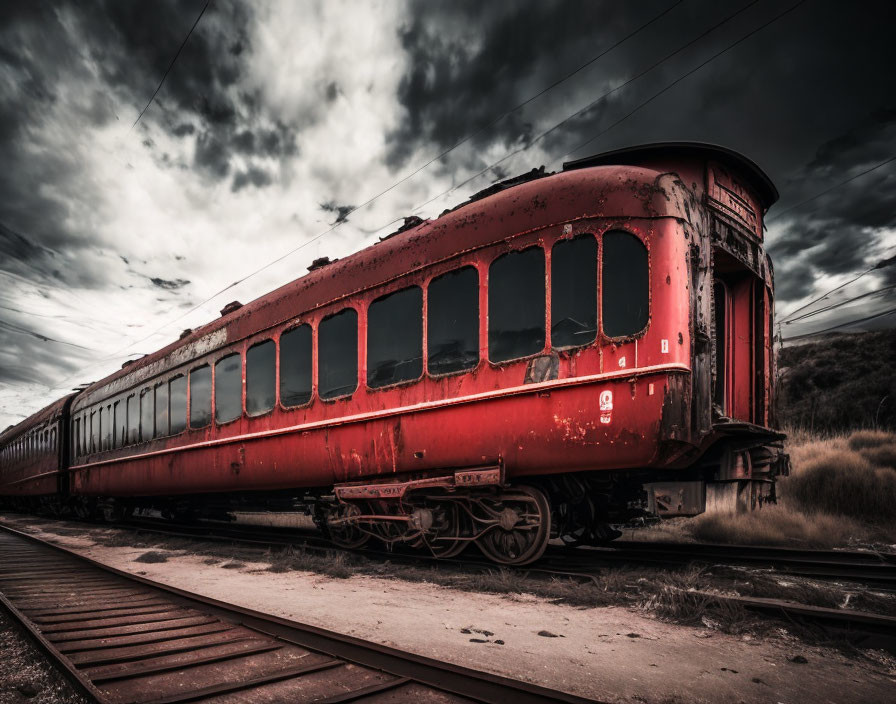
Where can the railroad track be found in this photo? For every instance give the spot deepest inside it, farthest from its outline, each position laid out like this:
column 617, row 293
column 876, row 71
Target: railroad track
column 123, row 639
column 865, row 567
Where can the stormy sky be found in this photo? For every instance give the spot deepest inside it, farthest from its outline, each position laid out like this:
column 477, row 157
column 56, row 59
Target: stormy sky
column 281, row 123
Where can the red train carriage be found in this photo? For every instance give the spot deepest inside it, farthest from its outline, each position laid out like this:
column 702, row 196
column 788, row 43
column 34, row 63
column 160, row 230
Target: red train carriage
column 33, row 455
column 558, row 354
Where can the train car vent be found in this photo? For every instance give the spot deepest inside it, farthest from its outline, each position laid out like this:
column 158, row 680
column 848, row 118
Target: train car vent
column 230, row 307
column 410, row 222
column 321, row 262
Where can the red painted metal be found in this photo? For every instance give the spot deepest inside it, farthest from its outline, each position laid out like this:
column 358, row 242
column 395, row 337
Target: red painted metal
column 679, row 202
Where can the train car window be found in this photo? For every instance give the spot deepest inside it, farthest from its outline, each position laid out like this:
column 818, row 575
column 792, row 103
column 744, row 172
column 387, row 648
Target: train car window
column 337, row 354
column 395, row 338
column 625, row 292
column 100, row 426
column 109, row 428
column 76, row 437
column 295, row 366
column 201, row 396
column 228, row 389
column 261, row 377
column 117, row 432
column 452, row 321
column 516, row 305
column 84, row 450
column 574, row 292
column 133, row 435
column 177, row 398
column 161, row 410
column 53, row 439
column 147, row 415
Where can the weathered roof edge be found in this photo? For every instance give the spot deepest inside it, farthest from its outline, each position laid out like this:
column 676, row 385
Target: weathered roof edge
column 767, row 191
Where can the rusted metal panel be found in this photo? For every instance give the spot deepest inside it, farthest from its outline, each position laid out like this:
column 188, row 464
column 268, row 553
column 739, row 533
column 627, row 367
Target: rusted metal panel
column 35, row 471
column 644, row 401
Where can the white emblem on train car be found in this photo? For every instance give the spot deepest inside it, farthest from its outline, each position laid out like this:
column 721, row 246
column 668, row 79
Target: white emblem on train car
column 606, row 406
column 664, row 346
column 622, row 361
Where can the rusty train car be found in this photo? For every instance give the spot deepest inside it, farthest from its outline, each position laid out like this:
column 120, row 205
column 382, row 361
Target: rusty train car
column 560, row 354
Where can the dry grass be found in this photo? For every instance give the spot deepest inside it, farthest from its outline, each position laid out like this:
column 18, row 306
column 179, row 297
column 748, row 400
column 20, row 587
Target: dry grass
column 862, row 439
column 840, row 492
column 152, row 557
column 777, row 526
column 340, row 565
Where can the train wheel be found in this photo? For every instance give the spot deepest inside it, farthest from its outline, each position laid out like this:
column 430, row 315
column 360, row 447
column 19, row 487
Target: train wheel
column 521, row 527
column 449, row 541
column 342, row 531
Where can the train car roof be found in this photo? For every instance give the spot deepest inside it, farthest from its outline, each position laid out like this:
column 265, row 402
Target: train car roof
column 40, row 416
column 646, row 153
column 523, row 202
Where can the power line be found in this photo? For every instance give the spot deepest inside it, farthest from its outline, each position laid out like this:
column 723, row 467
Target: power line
column 541, row 136
column 171, row 65
column 686, row 75
column 39, row 336
column 840, row 304
column 397, row 183
column 877, row 266
column 828, row 190
column 885, row 313
column 588, row 106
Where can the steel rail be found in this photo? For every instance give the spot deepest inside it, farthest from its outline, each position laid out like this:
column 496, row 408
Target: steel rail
column 865, row 567
column 140, row 649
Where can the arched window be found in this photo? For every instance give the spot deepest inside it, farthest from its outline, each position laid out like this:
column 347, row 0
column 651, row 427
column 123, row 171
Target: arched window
column 625, row 285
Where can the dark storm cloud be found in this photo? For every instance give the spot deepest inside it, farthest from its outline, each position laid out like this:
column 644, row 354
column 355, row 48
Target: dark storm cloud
column 470, row 61
column 340, row 211
column 169, row 285
column 73, row 66
column 806, row 97
column 252, row 176
column 836, row 233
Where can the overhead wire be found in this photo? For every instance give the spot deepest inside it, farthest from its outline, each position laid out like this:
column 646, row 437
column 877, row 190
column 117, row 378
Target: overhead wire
column 541, row 136
column 828, row 190
column 836, row 288
column 372, row 199
column 840, row 304
column 882, row 314
column 591, row 104
column 170, row 65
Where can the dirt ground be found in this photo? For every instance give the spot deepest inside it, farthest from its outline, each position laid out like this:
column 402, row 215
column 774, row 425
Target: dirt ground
column 614, row 654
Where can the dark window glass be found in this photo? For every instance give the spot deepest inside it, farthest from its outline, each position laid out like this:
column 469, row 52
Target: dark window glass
column 108, row 428
column 201, row 396
column 574, row 292
column 625, row 292
column 161, row 410
column 295, row 366
column 452, row 321
column 337, row 354
column 133, row 421
column 395, row 337
column 117, row 431
column 177, row 395
column 516, row 305
column 261, row 381
column 76, row 437
column 147, row 417
column 53, row 439
column 100, row 422
column 84, row 445
column 228, row 389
